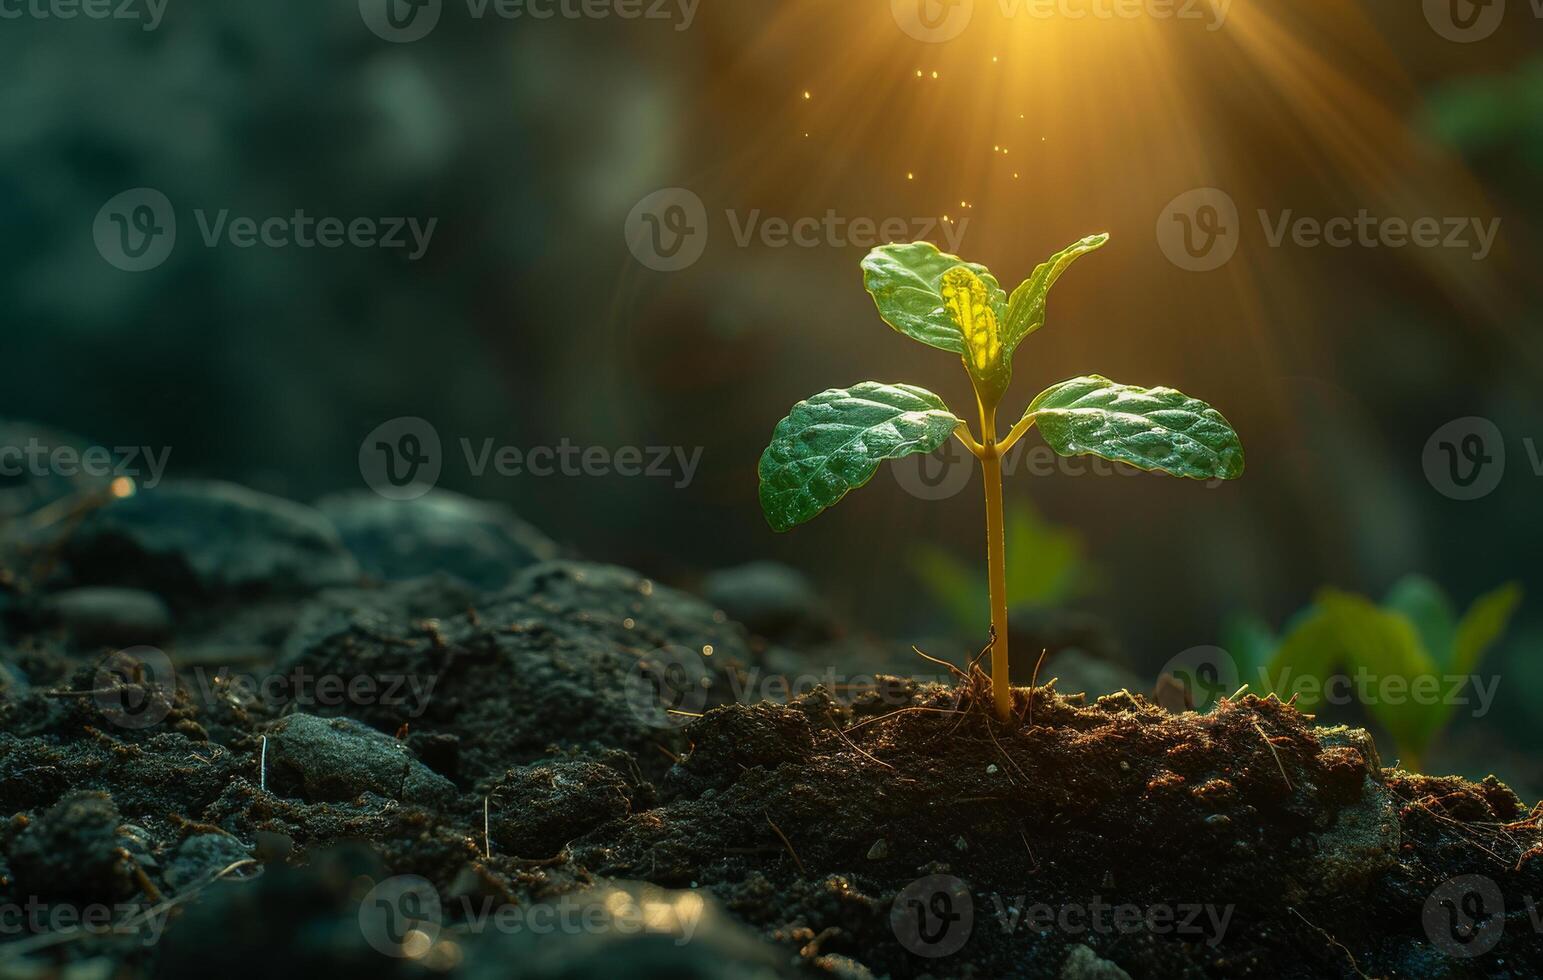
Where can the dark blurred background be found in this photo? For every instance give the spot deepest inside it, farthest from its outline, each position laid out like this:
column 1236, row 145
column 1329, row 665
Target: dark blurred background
column 528, row 319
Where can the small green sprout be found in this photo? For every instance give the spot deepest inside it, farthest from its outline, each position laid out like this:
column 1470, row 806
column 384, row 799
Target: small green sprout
column 1414, row 637
column 834, row 442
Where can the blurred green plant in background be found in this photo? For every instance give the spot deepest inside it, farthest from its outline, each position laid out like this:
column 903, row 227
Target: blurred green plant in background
column 1415, row 633
column 1047, row 567
column 1499, row 115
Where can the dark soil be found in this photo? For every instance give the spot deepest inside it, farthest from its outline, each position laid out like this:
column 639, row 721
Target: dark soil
column 507, row 742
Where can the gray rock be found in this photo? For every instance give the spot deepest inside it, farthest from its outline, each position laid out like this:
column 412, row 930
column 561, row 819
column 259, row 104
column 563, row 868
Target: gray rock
column 620, row 605
column 201, row 857
column 552, row 661
column 110, row 616
column 1361, row 844
column 1084, row 964
column 336, row 759
column 537, row 809
column 72, row 851
column 201, row 538
column 385, row 611
column 479, row 542
column 771, row 600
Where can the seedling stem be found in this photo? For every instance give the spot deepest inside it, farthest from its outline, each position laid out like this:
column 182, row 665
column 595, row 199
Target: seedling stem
column 833, row 442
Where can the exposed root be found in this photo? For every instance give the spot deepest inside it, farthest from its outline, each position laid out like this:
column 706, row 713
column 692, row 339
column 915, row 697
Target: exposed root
column 1271, row 746
column 785, row 842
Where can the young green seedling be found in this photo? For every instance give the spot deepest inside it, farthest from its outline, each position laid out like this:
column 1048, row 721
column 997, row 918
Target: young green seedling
column 834, row 442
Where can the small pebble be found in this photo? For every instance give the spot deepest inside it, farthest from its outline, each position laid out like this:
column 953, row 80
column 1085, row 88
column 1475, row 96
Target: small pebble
column 879, row 851
column 110, row 616
column 991, row 770
column 1124, row 766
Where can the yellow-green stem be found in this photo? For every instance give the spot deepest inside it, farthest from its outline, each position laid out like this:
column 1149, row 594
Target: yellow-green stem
column 996, row 561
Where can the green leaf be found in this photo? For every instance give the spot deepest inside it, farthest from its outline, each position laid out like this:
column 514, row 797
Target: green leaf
column 959, row 589
column 1149, row 428
column 1309, row 650
column 1413, row 636
column 1425, row 605
column 1386, row 644
column 906, row 282
column 1046, row 567
column 1251, row 643
column 1345, row 632
column 833, row 443
column 1482, row 625
column 1349, row 633
column 1047, row 564
column 1026, row 309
